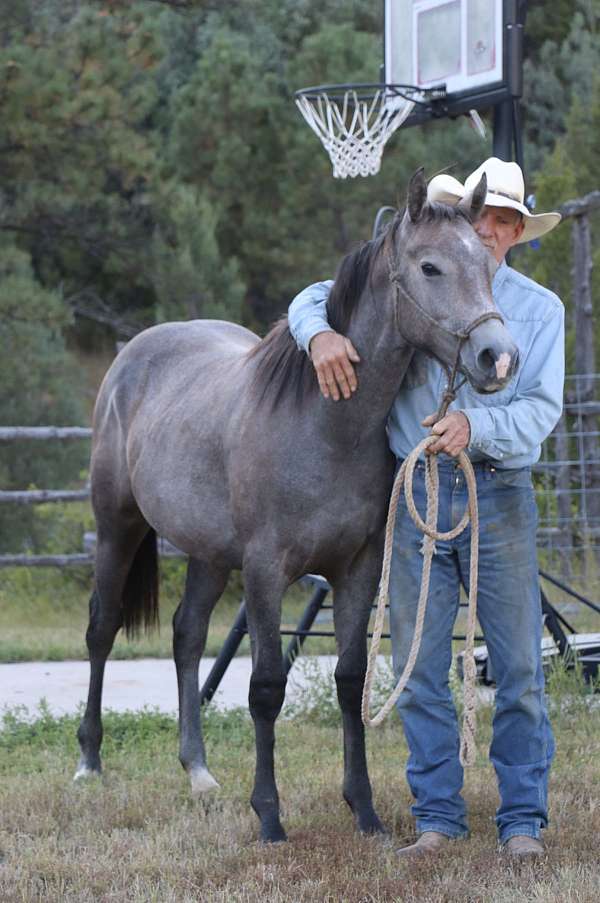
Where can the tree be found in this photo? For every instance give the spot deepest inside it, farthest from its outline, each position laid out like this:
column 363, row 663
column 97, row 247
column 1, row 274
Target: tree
column 39, row 385
column 189, row 276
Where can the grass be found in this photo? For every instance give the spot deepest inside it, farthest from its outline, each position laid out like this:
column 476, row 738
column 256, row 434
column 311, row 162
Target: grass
column 137, row 835
column 44, row 616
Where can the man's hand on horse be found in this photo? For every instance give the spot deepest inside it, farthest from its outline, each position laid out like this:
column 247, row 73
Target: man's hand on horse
column 332, row 355
column 454, row 431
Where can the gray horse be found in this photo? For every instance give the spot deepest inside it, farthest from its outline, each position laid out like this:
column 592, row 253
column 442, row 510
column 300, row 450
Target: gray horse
column 223, row 444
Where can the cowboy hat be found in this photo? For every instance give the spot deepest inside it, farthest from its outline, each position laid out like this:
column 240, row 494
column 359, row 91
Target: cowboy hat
column 505, row 189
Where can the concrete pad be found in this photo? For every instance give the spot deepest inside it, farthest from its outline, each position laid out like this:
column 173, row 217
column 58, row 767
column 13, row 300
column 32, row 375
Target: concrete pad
column 135, row 684
column 131, row 685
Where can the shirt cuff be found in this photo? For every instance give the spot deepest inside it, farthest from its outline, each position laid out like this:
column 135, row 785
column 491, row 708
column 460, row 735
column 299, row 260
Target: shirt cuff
column 478, row 421
column 310, row 328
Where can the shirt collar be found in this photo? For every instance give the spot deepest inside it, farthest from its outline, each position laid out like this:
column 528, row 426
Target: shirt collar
column 499, row 276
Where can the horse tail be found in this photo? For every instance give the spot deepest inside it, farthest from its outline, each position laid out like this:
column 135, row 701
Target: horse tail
column 140, row 595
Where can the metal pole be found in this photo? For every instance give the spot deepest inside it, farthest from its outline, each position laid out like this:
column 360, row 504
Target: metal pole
column 506, row 114
column 304, row 624
column 553, row 625
column 228, row 650
column 503, row 130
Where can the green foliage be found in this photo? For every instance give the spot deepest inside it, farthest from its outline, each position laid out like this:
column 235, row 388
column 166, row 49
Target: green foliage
column 137, row 734
column 559, row 70
column 37, row 376
column 154, row 166
column 189, row 277
column 317, row 701
column 570, row 171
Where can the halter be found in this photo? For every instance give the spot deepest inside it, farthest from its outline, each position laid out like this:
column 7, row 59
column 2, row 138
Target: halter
column 451, row 390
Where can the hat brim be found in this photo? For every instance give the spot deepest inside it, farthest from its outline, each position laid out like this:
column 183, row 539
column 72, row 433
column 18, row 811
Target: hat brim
column 448, row 190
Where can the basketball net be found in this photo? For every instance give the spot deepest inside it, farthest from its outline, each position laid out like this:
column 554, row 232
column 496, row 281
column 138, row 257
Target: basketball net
column 353, row 130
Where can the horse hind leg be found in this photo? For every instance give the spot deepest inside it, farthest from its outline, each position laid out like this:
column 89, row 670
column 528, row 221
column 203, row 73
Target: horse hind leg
column 126, row 566
column 203, row 588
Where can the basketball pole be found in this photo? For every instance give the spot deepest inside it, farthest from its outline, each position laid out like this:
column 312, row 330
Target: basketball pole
column 507, row 119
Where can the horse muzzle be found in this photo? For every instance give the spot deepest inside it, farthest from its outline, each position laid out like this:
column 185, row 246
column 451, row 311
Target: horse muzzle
column 489, row 358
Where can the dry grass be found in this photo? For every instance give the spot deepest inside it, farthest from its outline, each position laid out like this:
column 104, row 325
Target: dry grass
column 136, row 835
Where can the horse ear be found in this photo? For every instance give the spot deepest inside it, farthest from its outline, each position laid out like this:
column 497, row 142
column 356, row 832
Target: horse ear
column 417, row 195
column 474, row 202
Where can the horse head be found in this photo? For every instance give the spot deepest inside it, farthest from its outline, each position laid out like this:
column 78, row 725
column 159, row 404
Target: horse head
column 443, row 275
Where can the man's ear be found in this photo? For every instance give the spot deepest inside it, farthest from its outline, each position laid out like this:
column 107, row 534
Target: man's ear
column 519, row 229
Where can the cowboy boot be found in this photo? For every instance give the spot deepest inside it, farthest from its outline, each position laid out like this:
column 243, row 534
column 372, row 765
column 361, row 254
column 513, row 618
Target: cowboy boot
column 521, row 846
column 428, row 843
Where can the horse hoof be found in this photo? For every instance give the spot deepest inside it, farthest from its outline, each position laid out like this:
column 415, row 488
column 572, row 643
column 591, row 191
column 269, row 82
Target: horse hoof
column 273, row 835
column 84, row 772
column 271, row 830
column 371, row 825
column 202, row 781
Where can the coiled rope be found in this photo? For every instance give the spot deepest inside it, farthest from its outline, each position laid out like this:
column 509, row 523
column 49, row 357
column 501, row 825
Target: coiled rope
column 405, row 477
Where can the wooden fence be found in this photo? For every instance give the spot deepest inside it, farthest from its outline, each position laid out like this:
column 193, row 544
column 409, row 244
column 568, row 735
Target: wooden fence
column 42, row 496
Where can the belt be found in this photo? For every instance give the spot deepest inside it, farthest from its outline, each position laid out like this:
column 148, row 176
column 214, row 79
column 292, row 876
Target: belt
column 446, row 463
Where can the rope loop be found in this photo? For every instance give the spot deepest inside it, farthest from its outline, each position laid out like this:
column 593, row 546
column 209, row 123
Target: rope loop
column 405, row 478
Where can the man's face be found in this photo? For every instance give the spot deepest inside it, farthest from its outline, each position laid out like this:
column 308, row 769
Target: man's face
column 499, row 228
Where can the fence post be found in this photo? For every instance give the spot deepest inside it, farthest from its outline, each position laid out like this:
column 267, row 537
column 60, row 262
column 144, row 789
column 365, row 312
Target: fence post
column 563, row 498
column 585, row 367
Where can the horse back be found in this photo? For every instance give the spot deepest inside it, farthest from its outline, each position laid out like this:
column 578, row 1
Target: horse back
column 158, row 365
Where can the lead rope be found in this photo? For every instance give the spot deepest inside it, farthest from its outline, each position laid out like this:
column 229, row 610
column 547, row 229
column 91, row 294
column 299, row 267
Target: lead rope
column 405, row 477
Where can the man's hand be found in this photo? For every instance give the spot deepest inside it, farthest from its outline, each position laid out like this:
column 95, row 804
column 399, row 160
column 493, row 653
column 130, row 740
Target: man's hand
column 332, row 355
column 454, row 431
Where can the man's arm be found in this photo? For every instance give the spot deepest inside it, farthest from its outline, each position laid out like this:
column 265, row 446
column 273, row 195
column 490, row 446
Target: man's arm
column 332, row 354
column 514, row 429
column 307, row 314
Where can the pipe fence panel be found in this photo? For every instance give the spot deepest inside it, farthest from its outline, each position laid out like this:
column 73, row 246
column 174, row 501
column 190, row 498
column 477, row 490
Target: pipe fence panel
column 567, row 480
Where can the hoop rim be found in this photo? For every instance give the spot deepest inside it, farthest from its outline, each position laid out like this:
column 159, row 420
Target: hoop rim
column 368, row 90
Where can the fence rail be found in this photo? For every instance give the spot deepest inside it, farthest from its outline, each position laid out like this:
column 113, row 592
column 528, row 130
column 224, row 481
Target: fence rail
column 15, row 433
column 567, row 481
column 41, row 496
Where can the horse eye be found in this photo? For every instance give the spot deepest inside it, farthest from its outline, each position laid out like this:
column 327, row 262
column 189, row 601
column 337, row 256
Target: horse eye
column 428, row 269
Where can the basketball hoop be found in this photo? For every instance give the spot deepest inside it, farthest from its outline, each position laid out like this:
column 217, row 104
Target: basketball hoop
column 354, row 122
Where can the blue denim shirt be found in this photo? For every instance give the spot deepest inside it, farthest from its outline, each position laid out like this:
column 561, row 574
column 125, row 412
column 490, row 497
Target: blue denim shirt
column 507, row 427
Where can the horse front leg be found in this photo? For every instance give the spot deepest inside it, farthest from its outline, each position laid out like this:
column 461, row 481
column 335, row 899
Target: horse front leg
column 353, row 597
column 263, row 594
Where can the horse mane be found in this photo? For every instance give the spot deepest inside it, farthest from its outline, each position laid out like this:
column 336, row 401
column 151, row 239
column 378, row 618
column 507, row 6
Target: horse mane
column 283, row 369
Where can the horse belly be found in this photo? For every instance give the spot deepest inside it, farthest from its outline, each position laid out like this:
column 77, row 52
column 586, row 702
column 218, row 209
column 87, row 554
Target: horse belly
column 179, row 480
column 191, row 513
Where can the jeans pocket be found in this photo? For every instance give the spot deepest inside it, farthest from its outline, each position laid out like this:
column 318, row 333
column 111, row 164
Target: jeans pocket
column 519, row 478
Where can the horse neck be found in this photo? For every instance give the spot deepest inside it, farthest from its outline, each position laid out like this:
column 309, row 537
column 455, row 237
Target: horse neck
column 385, row 357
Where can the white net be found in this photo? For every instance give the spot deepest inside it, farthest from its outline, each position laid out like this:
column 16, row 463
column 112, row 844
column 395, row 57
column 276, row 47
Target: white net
column 353, row 129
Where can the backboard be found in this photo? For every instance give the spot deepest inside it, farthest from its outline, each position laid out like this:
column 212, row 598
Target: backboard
column 456, row 43
column 443, row 58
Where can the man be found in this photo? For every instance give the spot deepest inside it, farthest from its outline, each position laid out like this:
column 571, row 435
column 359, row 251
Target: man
column 502, row 434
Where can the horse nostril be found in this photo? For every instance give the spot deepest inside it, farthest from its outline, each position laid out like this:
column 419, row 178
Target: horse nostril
column 486, row 360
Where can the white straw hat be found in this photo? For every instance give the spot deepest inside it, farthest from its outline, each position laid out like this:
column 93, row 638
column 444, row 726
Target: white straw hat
column 505, row 188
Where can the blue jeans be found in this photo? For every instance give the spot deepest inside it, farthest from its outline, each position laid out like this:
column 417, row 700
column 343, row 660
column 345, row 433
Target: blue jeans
column 509, row 612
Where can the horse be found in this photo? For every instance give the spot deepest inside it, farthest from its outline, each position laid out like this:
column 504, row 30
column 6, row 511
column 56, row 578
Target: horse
column 221, row 442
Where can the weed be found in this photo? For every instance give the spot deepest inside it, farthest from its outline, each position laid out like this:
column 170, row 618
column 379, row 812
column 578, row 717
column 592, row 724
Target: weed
column 317, row 699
